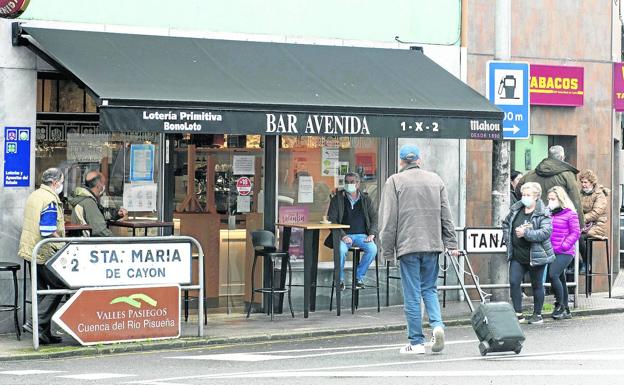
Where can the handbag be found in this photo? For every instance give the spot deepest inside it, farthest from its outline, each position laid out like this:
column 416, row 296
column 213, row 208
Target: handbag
column 587, row 227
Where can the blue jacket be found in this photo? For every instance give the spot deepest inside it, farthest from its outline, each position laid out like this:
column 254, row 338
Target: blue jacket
column 541, row 249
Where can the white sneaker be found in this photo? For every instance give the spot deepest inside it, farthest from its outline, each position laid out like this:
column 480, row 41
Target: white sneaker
column 413, row 349
column 437, row 341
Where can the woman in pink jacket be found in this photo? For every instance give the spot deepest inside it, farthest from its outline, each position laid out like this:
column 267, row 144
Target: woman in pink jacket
column 565, row 234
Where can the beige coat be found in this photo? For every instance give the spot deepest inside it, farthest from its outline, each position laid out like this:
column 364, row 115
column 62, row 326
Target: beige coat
column 414, row 214
column 595, row 207
column 31, row 234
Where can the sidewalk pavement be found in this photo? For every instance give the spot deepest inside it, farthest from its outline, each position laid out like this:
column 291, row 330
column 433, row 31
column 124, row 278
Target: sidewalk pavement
column 223, row 329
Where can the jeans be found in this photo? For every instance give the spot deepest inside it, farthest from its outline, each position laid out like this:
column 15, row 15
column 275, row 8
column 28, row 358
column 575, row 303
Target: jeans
column 516, row 272
column 369, row 249
column 558, row 277
column 419, row 275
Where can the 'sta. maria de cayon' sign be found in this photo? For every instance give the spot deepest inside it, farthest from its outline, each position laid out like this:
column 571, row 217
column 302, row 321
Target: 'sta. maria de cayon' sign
column 280, row 123
column 106, row 264
column 116, row 314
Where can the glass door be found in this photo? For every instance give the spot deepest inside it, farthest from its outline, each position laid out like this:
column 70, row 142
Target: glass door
column 218, row 200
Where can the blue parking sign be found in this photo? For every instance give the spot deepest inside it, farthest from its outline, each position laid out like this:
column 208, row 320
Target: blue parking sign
column 507, row 87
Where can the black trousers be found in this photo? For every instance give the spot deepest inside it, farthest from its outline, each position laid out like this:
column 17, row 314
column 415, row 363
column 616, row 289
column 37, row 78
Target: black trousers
column 47, row 303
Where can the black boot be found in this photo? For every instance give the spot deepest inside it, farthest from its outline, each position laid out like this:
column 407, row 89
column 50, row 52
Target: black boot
column 559, row 312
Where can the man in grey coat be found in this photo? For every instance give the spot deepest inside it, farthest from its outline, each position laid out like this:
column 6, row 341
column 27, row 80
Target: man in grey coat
column 416, row 226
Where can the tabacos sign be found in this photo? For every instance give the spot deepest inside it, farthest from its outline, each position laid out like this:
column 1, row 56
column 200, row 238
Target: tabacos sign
column 10, row 9
column 316, row 124
column 556, row 85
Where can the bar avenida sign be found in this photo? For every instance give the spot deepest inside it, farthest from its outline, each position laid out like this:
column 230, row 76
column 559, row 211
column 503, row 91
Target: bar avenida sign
column 10, row 9
column 242, row 122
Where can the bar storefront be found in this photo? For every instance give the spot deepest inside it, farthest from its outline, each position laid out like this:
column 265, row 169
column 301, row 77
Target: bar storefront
column 226, row 137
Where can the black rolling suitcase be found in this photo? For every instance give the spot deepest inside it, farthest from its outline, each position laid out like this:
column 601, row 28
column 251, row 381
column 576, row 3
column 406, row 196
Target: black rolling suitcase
column 495, row 323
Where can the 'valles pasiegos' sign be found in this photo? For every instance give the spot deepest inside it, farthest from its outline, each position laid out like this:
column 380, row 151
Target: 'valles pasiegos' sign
column 243, row 122
column 106, row 264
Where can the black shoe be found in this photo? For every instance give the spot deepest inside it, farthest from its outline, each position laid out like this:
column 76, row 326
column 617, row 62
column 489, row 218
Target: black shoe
column 566, row 313
column 49, row 339
column 341, row 286
column 360, row 284
column 559, row 312
column 536, row 319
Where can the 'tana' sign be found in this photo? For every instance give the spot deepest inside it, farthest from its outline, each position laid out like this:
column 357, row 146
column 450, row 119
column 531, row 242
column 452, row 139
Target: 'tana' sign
column 556, row 85
column 10, row 9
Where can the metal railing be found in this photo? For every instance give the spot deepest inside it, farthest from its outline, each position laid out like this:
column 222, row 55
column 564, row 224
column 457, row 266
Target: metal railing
column 111, row 240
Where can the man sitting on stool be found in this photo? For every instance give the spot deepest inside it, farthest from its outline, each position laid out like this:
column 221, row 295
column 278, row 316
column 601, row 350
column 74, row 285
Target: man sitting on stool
column 354, row 208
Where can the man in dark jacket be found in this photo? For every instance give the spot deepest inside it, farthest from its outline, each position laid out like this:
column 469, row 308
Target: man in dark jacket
column 353, row 207
column 86, row 207
column 554, row 171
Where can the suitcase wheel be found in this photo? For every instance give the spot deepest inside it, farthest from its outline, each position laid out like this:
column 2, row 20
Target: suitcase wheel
column 518, row 349
column 484, row 348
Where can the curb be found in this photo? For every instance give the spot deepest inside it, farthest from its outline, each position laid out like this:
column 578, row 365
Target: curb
column 193, row 342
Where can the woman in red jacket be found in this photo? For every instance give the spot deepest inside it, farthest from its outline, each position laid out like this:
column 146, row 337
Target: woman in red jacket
column 565, row 234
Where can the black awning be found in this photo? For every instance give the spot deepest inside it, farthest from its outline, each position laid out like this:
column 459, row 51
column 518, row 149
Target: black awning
column 176, row 84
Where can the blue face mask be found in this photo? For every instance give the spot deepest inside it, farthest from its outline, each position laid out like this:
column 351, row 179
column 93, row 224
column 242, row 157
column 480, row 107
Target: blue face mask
column 350, row 188
column 527, row 201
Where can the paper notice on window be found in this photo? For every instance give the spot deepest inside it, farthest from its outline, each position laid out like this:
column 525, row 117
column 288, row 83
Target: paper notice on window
column 306, row 190
column 243, row 203
column 329, row 161
column 142, row 162
column 140, row 196
column 243, row 165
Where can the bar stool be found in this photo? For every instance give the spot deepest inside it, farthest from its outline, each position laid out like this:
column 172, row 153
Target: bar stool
column 13, row 268
column 398, row 277
column 26, row 297
column 589, row 244
column 355, row 293
column 388, row 278
column 264, row 246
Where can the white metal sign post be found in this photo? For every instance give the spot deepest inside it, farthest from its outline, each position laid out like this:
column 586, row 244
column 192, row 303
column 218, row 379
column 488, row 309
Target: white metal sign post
column 119, row 264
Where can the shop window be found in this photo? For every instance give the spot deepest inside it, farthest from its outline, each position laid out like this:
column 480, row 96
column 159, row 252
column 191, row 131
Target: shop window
column 311, row 168
column 57, row 94
column 129, row 162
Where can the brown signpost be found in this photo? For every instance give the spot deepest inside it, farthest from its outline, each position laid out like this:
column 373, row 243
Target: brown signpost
column 126, row 313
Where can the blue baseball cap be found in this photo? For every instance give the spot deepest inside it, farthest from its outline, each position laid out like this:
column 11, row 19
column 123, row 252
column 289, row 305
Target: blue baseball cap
column 409, row 152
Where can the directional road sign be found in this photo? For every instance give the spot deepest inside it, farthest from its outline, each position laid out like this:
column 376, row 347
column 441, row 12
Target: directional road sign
column 115, row 314
column 508, row 88
column 117, row 264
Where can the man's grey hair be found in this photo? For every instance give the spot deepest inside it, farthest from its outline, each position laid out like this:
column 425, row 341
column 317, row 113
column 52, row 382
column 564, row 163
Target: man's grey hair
column 354, row 175
column 556, row 152
column 51, row 175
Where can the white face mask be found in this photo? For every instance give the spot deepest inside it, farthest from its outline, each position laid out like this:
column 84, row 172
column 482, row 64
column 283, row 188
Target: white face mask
column 553, row 205
column 59, row 189
column 350, row 188
column 588, row 190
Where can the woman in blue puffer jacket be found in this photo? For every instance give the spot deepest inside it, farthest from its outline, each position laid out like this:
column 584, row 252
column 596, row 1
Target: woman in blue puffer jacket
column 565, row 234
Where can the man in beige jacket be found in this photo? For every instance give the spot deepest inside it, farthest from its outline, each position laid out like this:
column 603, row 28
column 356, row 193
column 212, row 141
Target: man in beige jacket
column 416, row 226
column 43, row 218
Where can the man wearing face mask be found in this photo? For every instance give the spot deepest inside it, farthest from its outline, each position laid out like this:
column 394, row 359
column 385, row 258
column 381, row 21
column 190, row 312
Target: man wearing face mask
column 86, row 207
column 355, row 208
column 43, row 218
